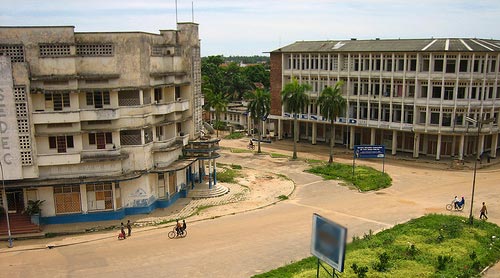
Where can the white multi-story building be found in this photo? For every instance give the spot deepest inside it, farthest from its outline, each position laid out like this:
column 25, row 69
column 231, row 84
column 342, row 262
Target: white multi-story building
column 409, row 95
column 95, row 122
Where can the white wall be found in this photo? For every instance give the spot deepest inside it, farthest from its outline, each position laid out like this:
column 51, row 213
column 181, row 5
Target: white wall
column 48, row 207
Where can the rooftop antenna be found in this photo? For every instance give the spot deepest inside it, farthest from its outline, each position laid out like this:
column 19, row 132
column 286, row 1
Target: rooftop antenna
column 176, row 18
column 192, row 11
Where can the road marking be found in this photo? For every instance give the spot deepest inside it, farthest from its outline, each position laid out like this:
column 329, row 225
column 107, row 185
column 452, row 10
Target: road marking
column 343, row 214
column 314, row 182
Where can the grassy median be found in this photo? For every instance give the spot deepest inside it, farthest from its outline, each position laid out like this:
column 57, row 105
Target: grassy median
column 430, row 246
column 365, row 178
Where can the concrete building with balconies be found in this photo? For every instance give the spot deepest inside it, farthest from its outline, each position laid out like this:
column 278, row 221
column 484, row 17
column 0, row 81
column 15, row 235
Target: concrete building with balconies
column 410, row 95
column 98, row 120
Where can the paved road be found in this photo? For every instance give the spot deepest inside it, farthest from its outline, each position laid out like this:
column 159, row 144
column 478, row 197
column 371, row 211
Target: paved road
column 253, row 242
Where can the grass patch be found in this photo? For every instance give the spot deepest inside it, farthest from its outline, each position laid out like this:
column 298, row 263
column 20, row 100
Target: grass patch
column 236, row 150
column 430, row 246
column 278, row 155
column 236, row 166
column 365, row 178
column 283, row 197
column 227, row 175
column 235, row 135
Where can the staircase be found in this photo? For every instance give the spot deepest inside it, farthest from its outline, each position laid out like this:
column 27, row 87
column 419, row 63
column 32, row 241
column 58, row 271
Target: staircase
column 216, row 191
column 19, row 224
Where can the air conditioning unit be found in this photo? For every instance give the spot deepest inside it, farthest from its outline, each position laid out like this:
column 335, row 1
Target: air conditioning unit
column 179, row 99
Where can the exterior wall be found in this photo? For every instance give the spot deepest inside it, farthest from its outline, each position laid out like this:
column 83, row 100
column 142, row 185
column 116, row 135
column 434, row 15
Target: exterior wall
column 415, row 94
column 276, row 83
column 106, row 83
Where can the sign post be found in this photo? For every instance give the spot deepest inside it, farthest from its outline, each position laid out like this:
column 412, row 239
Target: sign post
column 368, row 151
column 328, row 244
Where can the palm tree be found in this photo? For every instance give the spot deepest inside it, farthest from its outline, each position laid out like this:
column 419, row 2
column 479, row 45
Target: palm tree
column 332, row 104
column 259, row 106
column 294, row 97
column 217, row 101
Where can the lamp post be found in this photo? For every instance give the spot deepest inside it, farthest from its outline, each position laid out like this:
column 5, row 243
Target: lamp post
column 479, row 126
column 6, row 207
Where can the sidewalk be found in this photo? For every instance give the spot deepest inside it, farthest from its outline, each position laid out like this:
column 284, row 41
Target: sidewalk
column 243, row 196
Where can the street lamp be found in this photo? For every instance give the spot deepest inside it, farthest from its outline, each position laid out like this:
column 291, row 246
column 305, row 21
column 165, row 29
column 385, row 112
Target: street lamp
column 479, row 126
column 6, row 202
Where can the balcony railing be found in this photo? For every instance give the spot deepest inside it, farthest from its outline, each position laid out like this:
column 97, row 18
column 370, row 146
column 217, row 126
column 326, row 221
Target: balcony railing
column 129, row 101
column 101, row 154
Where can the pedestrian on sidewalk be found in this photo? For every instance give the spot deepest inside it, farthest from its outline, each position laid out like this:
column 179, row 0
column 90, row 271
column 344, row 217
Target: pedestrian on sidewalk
column 483, row 211
column 129, row 228
column 122, row 229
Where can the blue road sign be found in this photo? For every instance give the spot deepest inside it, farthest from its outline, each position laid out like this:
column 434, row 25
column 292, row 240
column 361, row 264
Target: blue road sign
column 369, row 151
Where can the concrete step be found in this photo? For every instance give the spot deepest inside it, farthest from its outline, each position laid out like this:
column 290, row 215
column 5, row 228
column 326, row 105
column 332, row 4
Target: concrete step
column 216, row 191
column 19, row 224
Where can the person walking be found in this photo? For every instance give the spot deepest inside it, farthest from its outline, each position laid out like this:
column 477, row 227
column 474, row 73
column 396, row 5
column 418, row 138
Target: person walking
column 122, row 229
column 483, row 211
column 129, row 228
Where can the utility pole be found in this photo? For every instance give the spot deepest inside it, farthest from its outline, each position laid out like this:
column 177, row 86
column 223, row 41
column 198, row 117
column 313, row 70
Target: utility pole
column 479, row 126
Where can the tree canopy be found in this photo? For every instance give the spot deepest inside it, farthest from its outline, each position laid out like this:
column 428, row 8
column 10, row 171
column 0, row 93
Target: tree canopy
column 221, row 76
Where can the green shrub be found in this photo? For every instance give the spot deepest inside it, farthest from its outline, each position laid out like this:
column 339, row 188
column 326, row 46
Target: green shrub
column 235, row 135
column 383, row 263
column 443, row 261
column 283, row 197
column 227, row 175
column 360, row 271
column 365, row 178
column 236, row 166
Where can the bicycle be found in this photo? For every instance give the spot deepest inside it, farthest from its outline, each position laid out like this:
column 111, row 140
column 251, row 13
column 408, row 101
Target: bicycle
column 174, row 234
column 452, row 206
column 251, row 147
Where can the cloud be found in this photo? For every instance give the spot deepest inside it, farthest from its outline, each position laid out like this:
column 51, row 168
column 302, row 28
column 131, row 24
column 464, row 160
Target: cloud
column 251, row 27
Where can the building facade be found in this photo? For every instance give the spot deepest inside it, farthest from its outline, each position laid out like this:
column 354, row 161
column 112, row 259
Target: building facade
column 99, row 119
column 409, row 95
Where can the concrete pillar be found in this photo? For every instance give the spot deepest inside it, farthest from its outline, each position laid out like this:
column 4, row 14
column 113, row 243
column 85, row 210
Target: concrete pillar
column 113, row 188
column 249, row 121
column 280, row 129
column 83, row 198
column 307, row 130
column 209, row 174
column 142, row 137
column 394, row 142
column 480, row 147
column 314, row 134
column 494, row 145
column 372, row 136
column 416, row 145
column 215, row 173
column 351, row 135
column 453, row 145
column 438, row 148
column 461, row 144
column 141, row 97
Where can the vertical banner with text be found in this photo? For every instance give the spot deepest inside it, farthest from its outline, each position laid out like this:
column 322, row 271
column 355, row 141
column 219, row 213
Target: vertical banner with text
column 10, row 155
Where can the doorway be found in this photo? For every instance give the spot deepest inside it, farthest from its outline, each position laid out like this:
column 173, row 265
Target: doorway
column 15, row 201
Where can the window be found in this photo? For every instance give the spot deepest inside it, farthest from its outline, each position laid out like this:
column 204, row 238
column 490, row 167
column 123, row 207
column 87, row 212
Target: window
column 54, row 50
column 158, row 95
column 67, row 199
column 413, row 65
column 448, row 93
column 438, row 65
column 461, row 92
column 446, row 119
column 100, row 139
column 434, row 118
column 129, row 98
column 450, row 66
column 423, row 92
column 177, row 92
column 130, row 137
column 91, row 49
column 422, row 118
column 57, row 100
column 159, row 133
column 464, row 65
column 477, row 66
column 436, row 91
column 98, row 99
column 15, row 52
column 99, row 196
column 61, row 143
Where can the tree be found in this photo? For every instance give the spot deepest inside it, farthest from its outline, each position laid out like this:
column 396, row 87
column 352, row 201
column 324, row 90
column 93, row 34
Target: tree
column 257, row 74
column 218, row 101
column 259, row 106
column 294, row 98
column 332, row 104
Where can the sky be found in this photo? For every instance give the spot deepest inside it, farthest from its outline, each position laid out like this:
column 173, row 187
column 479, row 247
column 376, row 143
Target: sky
column 252, row 27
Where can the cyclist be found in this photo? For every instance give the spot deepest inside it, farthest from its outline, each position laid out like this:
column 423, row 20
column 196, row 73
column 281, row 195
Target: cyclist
column 455, row 202
column 178, row 228
column 461, row 203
